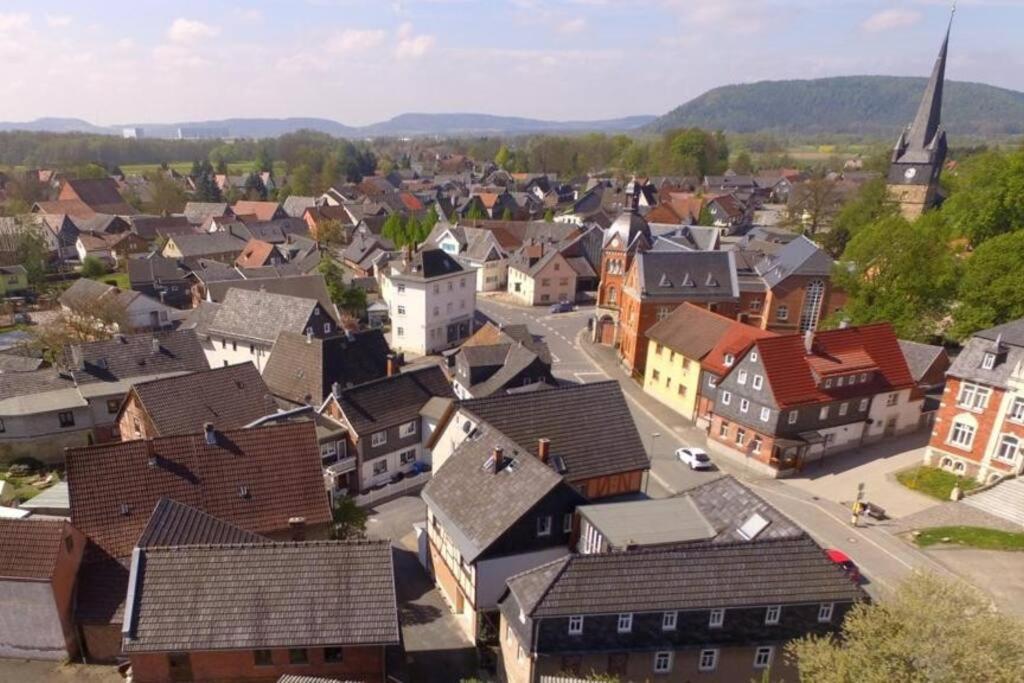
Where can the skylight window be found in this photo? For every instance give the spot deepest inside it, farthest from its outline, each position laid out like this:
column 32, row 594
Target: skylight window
column 754, row 525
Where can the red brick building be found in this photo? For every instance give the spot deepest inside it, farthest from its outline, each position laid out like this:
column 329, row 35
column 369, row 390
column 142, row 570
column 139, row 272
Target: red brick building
column 627, row 236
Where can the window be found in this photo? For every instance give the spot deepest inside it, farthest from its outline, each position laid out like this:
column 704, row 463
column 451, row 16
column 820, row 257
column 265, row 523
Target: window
column 437, row 312
column 989, row 361
column 663, row 312
column 723, row 429
column 863, row 377
column 378, row 439
column 668, row 621
column 755, row 445
column 575, row 625
column 741, row 377
column 828, row 383
column 262, row 658
column 823, row 413
column 863, row 404
column 407, row 429
column 712, row 382
column 728, row 360
column 772, row 614
column 625, row 624
column 407, row 457
column 782, row 313
column 755, row 305
column 844, row 408
column 961, row 434
column 716, row 618
column 791, row 418
column 744, row 405
column 3, row 427
column 401, row 332
column 544, row 525
column 668, row 382
column 682, row 390
column 655, row 375
column 327, row 330
column 726, row 398
column 708, row 660
column 741, row 436
column 757, row 383
column 401, row 288
column 840, row 381
column 892, row 399
column 1017, row 410
column 113, row 404
column 462, row 283
column 545, row 282
column 662, row 662
column 234, row 344
column 825, row 612
column 66, row 418
column 333, row 655
column 298, row 655
column 973, row 397
column 813, row 295
column 567, row 523
column 766, row 414
column 763, row 657
column 450, row 287
column 1009, row 445
column 380, row 467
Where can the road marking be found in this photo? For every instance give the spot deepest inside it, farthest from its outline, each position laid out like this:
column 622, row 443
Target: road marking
column 580, row 375
column 555, row 359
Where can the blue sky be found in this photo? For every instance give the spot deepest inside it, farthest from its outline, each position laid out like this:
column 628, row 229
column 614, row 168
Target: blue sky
column 359, row 61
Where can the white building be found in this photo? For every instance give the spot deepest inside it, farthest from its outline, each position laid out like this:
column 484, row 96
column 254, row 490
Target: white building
column 431, row 302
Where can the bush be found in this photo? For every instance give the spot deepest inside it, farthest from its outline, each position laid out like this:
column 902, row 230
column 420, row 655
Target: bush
column 92, row 267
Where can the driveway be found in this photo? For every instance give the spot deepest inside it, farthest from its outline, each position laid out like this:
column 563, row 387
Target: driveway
column 1000, row 573
column 16, row 671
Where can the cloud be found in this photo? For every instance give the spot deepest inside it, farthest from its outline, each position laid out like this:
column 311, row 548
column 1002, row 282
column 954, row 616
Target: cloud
column 58, row 20
column 354, row 40
column 184, row 31
column 252, row 16
column 572, row 25
column 411, row 45
column 14, row 22
column 733, row 16
column 886, row 20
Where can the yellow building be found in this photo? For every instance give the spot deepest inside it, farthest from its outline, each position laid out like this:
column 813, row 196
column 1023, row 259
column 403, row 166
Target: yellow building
column 677, row 344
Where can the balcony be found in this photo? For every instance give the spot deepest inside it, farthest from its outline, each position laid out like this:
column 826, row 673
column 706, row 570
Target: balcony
column 341, row 466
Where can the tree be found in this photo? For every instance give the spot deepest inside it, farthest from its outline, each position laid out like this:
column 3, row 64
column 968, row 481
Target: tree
column 476, row 211
column 549, row 216
column 901, row 273
column 502, row 157
column 333, row 278
column 871, row 203
column 264, row 162
column 392, row 229
column 168, row 196
column 349, row 519
column 987, row 196
column 32, row 253
column 813, row 203
column 742, row 163
column 430, row 219
column 330, row 233
column 207, row 189
column 989, row 292
column 932, row 630
column 254, row 189
column 506, row 215
column 705, row 217
column 93, row 268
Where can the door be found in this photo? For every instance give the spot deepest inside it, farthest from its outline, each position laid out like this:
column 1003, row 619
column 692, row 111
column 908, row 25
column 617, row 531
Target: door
column 890, row 426
column 618, row 662
column 180, row 667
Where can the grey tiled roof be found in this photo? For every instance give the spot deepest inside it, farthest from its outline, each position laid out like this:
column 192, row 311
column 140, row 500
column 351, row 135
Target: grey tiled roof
column 920, row 357
column 295, row 206
column 261, row 315
column 304, row 286
column 208, row 243
column 200, row 317
column 288, row 678
column 135, row 355
column 695, row 576
column 429, row 263
column 589, row 426
column 176, row 524
column 264, row 595
column 229, row 398
column 727, row 504
column 197, row 212
column 801, row 256
column 695, row 275
column 1010, row 352
column 393, row 400
column 478, row 505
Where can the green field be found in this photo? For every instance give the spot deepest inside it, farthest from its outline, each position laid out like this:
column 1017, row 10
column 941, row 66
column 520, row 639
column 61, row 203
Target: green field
column 184, row 167
column 971, row 537
column 933, row 481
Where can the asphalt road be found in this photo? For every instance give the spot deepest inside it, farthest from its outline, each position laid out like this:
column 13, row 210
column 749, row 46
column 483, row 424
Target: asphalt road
column 884, row 559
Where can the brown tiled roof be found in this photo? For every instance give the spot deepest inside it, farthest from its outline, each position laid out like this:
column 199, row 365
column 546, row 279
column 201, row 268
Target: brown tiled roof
column 174, row 524
column 254, row 478
column 99, row 194
column 29, row 548
column 690, row 330
column 263, row 211
column 589, row 426
column 229, row 398
column 255, row 254
column 265, row 595
column 393, row 400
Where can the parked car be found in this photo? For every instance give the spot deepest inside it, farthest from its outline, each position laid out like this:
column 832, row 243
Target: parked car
column 843, row 561
column 696, row 458
column 562, row 307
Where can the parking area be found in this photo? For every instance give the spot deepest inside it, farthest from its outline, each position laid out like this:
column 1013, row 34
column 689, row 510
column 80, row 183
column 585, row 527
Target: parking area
column 21, row 671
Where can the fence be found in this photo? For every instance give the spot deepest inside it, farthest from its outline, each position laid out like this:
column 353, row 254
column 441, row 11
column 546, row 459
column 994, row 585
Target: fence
column 402, row 488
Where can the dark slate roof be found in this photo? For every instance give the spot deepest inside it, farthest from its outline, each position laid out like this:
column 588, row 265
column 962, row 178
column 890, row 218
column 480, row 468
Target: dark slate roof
column 478, row 505
column 295, row 206
column 175, row 524
column 727, row 504
column 261, row 315
column 1011, row 333
column 1006, row 341
column 800, row 256
column 304, row 370
column 197, row 212
column 151, row 227
column 690, row 330
column 229, row 398
column 304, row 286
column 152, row 269
column 202, row 244
column 200, row 317
column 920, row 357
column 589, row 426
column 264, row 595
column 30, row 548
column 428, row 263
column 135, row 355
column 113, row 488
column 393, row 400
column 694, row 275
column 693, row 576
column 289, row 678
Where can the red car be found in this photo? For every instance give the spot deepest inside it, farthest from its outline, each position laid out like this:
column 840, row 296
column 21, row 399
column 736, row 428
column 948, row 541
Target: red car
column 843, row 561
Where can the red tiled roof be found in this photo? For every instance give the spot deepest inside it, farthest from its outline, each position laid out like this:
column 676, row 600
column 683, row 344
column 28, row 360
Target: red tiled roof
column 29, row 548
column 70, row 207
column 736, row 340
column 876, row 344
column 663, row 213
column 254, row 478
column 255, row 254
column 411, row 201
column 264, row 211
column 488, row 199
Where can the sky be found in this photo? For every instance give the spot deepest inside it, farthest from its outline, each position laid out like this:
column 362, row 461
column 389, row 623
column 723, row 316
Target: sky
column 362, row 61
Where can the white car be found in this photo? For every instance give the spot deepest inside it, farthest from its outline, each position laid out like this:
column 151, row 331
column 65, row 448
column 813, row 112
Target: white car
column 696, row 458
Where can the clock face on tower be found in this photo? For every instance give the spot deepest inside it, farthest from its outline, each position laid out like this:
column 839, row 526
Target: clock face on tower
column 910, row 173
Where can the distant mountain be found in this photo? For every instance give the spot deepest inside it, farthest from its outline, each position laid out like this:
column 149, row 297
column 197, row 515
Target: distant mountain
column 864, row 105
column 404, row 125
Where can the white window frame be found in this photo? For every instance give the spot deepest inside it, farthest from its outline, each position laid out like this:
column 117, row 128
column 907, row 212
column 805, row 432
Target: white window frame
column 716, row 618
column 753, row 356
column 823, row 413
column 965, row 437
column 669, row 621
column 782, row 313
column 728, row 360
column 726, row 398
column 741, row 377
column 407, row 429
column 844, row 408
column 712, row 382
column 973, row 397
column 766, row 414
column 1016, row 411
column 757, row 382
column 378, row 439
column 708, row 660
column 825, row 611
column 567, row 523
column 763, row 657
column 380, row 466
column 544, row 526
column 401, row 310
column 892, row 399
column 988, row 361
column 1004, row 440
column 744, row 405
column 663, row 662
column 576, row 625
column 625, row 623
column 772, row 615
column 792, row 417
column 864, row 404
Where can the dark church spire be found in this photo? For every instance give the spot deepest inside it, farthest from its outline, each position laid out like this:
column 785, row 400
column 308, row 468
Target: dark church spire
column 929, row 115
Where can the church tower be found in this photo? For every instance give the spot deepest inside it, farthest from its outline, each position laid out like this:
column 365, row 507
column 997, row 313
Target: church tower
column 920, row 152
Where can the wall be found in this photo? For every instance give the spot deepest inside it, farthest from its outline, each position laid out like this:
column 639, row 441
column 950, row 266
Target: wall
column 674, row 372
column 517, row 669
column 223, row 351
column 610, row 484
column 492, row 574
column 363, row 663
column 906, row 414
column 30, row 624
column 134, row 422
column 40, row 436
column 492, row 276
column 101, row 642
column 555, row 282
column 429, row 308
column 521, row 286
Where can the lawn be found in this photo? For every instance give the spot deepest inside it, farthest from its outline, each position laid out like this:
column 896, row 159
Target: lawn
column 971, row 537
column 933, row 481
column 118, row 279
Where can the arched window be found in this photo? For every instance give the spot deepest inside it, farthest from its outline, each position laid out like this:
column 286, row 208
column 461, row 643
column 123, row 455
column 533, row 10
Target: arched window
column 812, row 305
column 1009, row 447
column 946, row 463
column 612, row 295
column 962, row 431
column 959, row 468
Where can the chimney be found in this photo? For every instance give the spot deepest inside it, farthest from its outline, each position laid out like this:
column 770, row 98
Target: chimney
column 156, row 346
column 210, row 434
column 392, row 365
column 808, row 341
column 297, row 525
column 498, row 458
column 336, row 389
column 309, row 335
column 543, row 449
